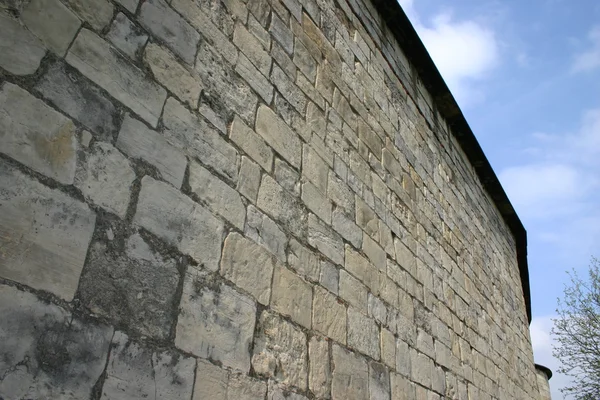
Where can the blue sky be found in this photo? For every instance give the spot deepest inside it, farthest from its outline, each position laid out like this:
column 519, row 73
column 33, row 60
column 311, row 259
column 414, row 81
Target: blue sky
column 527, row 77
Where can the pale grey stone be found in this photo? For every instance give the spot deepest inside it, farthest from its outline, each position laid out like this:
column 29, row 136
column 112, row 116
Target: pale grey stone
column 421, row 368
column 130, row 5
column 105, row 177
column 425, row 343
column 339, row 192
column 86, row 138
column 363, row 333
column 216, row 323
column 404, row 256
column 94, row 58
column 255, row 78
column 162, row 21
column 288, row 89
column 139, row 141
column 72, row 94
column 20, row 51
column 438, row 380
column 46, row 234
column 252, row 48
column 316, row 202
column 282, row 206
column 388, row 348
column 136, row 287
column 52, row 22
column 197, row 138
column 377, row 309
column 126, row 36
column 287, row 177
column 257, row 30
column 367, row 219
column 402, row 388
column 319, row 374
column 325, row 240
column 329, row 315
column 211, row 382
column 314, row 168
column 347, row 228
column 220, row 197
column 138, row 372
column 330, row 276
column 303, row 261
column 206, row 110
column 350, row 375
column 375, row 253
column 264, row 231
column 168, row 72
column 97, row 12
column 248, row 179
column 291, row 296
column 379, row 382
column 280, row 392
column 249, row 266
column 283, row 60
column 45, row 352
column 304, row 61
column 251, row 143
column 279, row 135
column 180, row 221
column 352, row 291
column 282, row 33
column 280, row 351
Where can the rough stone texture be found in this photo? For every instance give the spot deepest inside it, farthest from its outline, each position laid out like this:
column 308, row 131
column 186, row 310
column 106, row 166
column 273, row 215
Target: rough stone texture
column 252, row 48
column 278, row 135
column 352, row 291
column 52, row 22
column 329, row 315
column 265, row 232
column 362, row 269
column 316, row 202
column 280, row 351
column 280, row 392
column 126, row 36
column 216, row 323
column 248, row 179
column 46, row 144
column 46, row 353
column 330, row 277
column 130, row 5
column 220, row 197
column 44, row 234
column 291, row 296
column 363, row 333
column 97, row 13
column 303, row 261
column 251, row 143
column 325, row 239
column 95, row 59
column 136, row 288
column 105, row 177
column 177, row 219
column 137, row 372
column 282, row 206
column 350, row 379
column 249, row 266
column 20, row 51
column 138, row 141
column 319, row 374
column 69, row 91
column 216, row 383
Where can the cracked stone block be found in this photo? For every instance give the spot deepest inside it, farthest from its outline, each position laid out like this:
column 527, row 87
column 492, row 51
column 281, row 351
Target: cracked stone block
column 136, row 288
column 216, row 323
column 25, row 51
column 45, row 353
column 138, row 372
column 44, row 234
column 280, row 351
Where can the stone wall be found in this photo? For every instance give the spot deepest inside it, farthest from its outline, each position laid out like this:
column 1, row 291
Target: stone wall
column 206, row 199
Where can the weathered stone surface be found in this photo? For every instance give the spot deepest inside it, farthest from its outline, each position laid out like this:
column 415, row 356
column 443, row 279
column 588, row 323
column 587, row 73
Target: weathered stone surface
column 130, row 5
column 319, row 374
column 45, row 353
column 46, row 143
column 105, row 177
column 281, row 392
column 367, row 219
column 316, row 202
column 402, row 388
column 339, row 192
column 172, row 75
column 279, row 135
column 280, row 351
column 375, row 253
column 126, row 36
column 329, row 315
column 330, row 276
column 44, row 234
column 264, row 231
column 249, row 266
column 216, row 383
column 379, row 382
column 216, row 323
column 279, row 204
column 52, row 22
column 353, row 291
column 163, row 22
column 388, row 348
column 282, row 33
column 314, row 168
column 71, row 93
column 363, row 333
column 97, row 12
column 346, row 227
column 361, row 268
column 197, row 138
column 421, row 368
column 291, row 296
column 180, row 221
column 404, row 256
column 138, row 372
column 248, row 179
column 288, row 89
column 287, row 177
column 251, row 143
column 303, row 261
column 305, row 62
column 255, row 78
column 94, row 58
column 20, row 51
column 138, row 141
column 136, row 288
column 252, row 48
column 325, row 240
column 350, row 375
column 220, row 197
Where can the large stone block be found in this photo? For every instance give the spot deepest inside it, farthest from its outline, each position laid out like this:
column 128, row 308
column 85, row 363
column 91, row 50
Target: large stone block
column 303, row 261
column 279, row 135
column 52, row 22
column 326, row 240
column 352, row 291
column 350, row 375
column 251, row 143
column 280, row 351
column 97, row 12
column 291, row 296
column 319, row 375
column 126, row 36
column 363, row 333
column 136, row 288
column 24, row 51
column 216, row 323
column 138, row 372
column 252, row 48
column 329, row 315
column 44, row 234
column 215, row 383
column 180, row 221
column 264, row 231
column 46, row 143
column 282, row 206
column 45, row 352
column 94, row 58
column 362, row 269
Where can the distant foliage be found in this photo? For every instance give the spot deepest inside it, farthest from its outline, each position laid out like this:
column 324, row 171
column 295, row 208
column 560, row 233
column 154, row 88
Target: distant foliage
column 577, row 332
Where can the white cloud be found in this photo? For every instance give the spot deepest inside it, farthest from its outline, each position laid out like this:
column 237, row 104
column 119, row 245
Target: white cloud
column 589, row 59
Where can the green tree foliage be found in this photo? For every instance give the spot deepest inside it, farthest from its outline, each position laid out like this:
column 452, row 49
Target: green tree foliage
column 577, row 333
